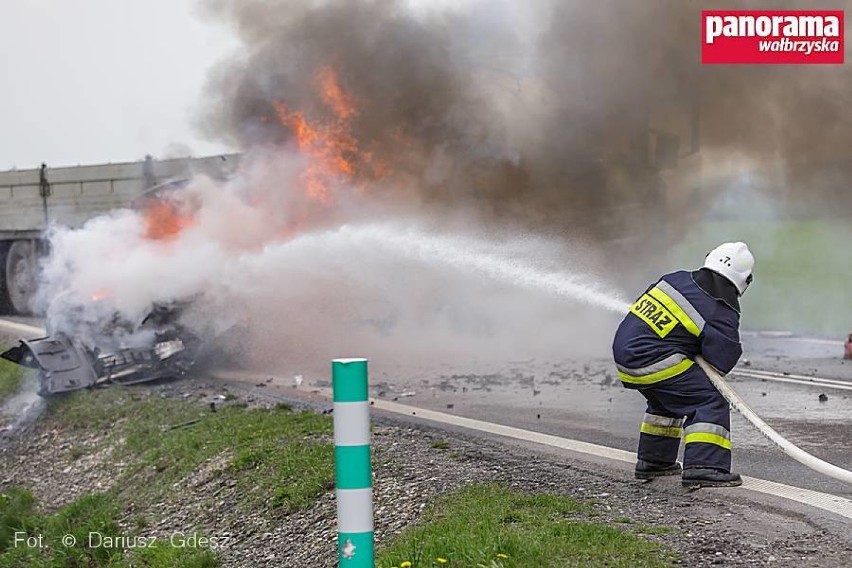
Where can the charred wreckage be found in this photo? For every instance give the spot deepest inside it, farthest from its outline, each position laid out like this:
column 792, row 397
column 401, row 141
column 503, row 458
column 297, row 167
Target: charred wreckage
column 118, row 352
column 89, row 343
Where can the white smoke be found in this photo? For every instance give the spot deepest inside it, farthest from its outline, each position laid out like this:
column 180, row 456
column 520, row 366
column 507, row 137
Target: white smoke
column 21, row 409
column 310, row 281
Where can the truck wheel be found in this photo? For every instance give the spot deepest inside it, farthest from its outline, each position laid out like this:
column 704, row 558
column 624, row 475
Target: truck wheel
column 21, row 282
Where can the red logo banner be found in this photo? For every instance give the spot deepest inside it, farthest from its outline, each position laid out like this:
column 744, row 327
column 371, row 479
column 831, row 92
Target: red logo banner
column 772, row 36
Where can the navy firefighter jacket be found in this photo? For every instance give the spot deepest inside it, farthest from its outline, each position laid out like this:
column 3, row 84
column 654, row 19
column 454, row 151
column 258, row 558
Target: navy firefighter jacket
column 683, row 315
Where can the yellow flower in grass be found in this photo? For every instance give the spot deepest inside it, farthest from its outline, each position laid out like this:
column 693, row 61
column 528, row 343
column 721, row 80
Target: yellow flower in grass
column 501, row 555
column 405, row 564
column 442, row 560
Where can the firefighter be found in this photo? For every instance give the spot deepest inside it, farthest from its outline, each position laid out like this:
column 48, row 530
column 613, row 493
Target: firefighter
column 683, row 315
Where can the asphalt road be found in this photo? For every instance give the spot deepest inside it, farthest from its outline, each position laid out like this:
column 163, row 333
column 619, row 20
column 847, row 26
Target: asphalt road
column 584, row 400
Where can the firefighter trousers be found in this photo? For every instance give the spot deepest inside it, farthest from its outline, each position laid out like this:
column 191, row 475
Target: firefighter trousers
column 688, row 406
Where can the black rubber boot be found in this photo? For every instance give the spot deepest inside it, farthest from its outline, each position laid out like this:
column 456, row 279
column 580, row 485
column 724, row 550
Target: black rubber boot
column 646, row 470
column 696, row 477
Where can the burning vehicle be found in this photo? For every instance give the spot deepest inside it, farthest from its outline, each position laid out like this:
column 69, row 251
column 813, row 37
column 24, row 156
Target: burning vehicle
column 122, row 352
column 91, row 343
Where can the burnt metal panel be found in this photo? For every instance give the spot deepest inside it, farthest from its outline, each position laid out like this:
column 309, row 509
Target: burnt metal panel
column 63, row 366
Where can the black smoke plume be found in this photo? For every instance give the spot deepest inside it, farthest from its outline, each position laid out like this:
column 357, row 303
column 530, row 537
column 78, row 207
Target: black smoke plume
column 595, row 118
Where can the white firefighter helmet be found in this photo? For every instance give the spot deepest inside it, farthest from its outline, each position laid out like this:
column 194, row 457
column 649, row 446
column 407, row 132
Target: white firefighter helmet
column 733, row 261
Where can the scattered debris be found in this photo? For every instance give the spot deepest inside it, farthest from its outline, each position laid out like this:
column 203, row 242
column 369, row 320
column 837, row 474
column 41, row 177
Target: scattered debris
column 186, row 424
column 823, row 397
column 297, row 380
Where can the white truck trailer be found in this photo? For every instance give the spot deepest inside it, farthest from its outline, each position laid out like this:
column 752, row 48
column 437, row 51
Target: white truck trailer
column 33, row 199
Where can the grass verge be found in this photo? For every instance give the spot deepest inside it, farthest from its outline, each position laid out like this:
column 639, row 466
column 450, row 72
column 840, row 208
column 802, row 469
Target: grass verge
column 492, row 526
column 28, row 538
column 282, row 460
column 10, row 378
column 278, row 457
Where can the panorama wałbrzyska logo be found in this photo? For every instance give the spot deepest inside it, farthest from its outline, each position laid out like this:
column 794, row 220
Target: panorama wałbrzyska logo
column 772, row 36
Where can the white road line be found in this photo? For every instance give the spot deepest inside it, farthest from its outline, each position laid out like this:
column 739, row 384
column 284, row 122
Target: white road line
column 22, row 329
column 825, row 501
column 812, row 340
column 831, row 503
column 788, row 336
column 847, row 386
column 792, row 376
column 507, row 431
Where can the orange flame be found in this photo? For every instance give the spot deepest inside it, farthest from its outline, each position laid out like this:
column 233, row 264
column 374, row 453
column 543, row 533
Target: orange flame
column 101, row 294
column 333, row 151
column 164, row 220
column 333, row 95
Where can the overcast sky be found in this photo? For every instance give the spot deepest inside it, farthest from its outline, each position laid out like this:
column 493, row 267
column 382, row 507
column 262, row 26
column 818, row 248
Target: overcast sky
column 92, row 81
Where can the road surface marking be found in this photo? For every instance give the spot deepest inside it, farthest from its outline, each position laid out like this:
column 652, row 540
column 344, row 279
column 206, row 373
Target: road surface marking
column 831, row 503
column 792, row 376
column 823, row 384
column 812, row 340
column 15, row 328
column 788, row 336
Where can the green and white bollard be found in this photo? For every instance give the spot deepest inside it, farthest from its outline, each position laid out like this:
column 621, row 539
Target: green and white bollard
column 352, row 470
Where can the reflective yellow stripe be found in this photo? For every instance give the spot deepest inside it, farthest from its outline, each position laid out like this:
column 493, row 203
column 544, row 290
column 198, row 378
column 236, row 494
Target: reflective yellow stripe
column 658, row 376
column 667, row 431
column 654, row 314
column 674, row 308
column 707, row 438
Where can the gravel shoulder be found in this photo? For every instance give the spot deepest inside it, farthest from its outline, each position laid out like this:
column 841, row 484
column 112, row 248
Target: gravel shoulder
column 720, row 527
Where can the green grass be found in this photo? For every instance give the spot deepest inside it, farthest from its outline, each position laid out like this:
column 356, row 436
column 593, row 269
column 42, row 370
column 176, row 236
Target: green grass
column 493, row 526
column 282, row 460
column 803, row 271
column 279, row 457
column 10, row 378
column 82, row 521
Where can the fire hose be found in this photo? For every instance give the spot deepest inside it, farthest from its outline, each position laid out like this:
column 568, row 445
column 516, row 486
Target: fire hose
column 786, row 446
